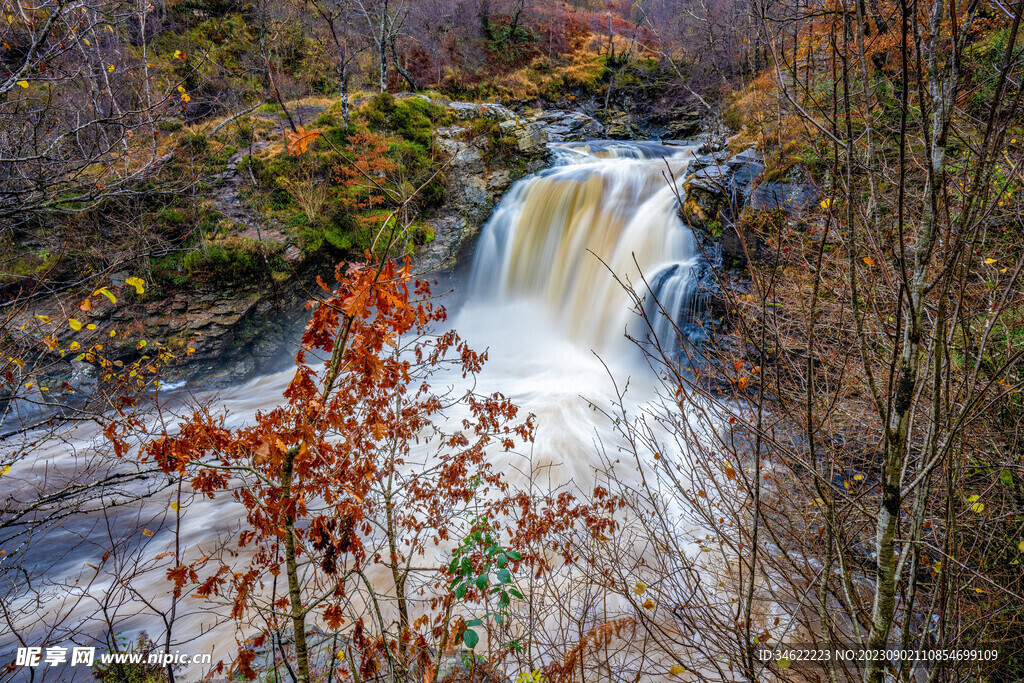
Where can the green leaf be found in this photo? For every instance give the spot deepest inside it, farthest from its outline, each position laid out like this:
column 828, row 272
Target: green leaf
column 454, row 566
column 1006, row 478
column 516, row 594
column 481, row 581
column 460, row 592
column 475, row 622
column 470, row 638
column 504, row 576
column 515, row 555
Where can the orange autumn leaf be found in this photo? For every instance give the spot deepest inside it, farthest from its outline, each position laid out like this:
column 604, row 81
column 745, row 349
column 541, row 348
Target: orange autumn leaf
column 298, row 142
column 869, row 261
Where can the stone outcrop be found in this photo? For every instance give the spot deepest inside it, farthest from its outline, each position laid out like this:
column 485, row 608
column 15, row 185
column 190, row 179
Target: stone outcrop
column 564, row 126
column 678, row 123
column 720, row 186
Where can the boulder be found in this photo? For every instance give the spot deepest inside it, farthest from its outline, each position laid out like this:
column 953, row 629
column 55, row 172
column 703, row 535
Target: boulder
column 491, row 110
column 791, row 196
column 564, row 126
column 709, row 198
column 618, row 125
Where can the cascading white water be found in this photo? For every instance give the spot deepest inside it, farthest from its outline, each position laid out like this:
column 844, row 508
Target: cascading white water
column 558, row 237
column 543, row 301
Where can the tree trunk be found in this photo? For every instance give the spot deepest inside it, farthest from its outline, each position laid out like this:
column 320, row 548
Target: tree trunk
column 344, row 77
column 401, row 70
column 382, row 45
column 484, row 15
column 292, row 570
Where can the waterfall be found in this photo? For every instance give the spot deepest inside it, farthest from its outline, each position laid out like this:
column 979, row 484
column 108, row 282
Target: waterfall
column 541, row 302
column 604, row 208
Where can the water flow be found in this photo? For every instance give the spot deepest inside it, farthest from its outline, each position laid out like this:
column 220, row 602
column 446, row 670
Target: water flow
column 558, row 237
column 545, row 306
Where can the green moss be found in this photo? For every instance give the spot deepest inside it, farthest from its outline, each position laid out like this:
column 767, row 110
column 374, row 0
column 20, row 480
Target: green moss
column 27, row 265
column 233, row 259
column 421, row 234
column 411, row 118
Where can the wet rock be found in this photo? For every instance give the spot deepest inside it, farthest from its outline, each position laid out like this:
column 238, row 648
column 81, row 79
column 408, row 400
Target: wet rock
column 618, row 125
column 531, row 135
column 83, row 377
column 564, row 126
column 680, row 123
column 704, row 160
column 720, row 188
column 793, row 197
column 476, row 178
column 709, row 200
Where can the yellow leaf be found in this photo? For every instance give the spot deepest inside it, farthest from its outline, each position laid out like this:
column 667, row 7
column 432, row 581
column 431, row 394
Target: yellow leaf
column 858, row 477
column 979, row 590
column 23, row 84
column 74, row 324
column 147, row 532
column 186, row 98
column 1020, row 546
column 85, row 306
column 174, row 506
column 75, row 346
column 991, row 260
column 142, row 344
column 138, row 283
column 91, row 326
column 110, row 69
column 648, row 604
column 868, row 260
column 825, row 203
column 676, row 670
column 8, row 469
column 44, row 319
column 107, row 293
column 181, row 88
column 113, row 333
column 976, row 507
column 178, row 54
column 86, row 42
column 640, row 588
